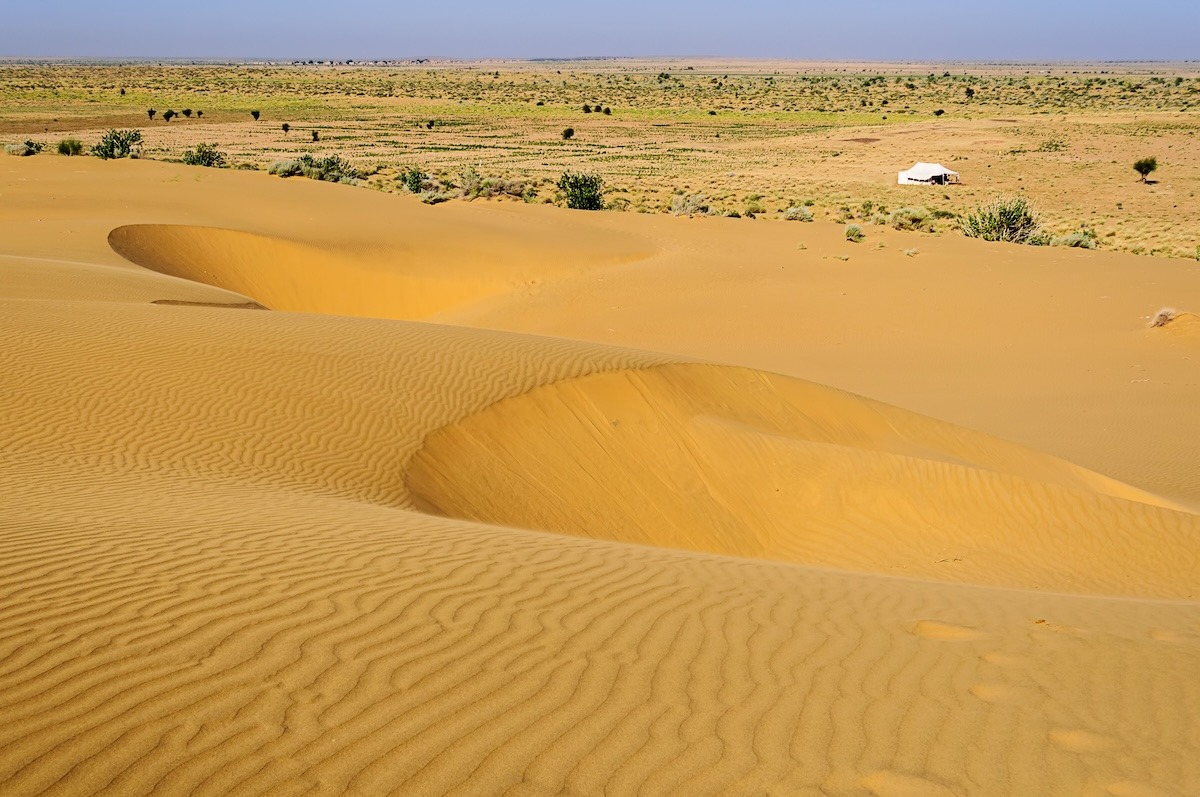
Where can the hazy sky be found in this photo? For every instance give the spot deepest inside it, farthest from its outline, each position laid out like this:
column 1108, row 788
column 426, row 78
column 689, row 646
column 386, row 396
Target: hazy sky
column 366, row 29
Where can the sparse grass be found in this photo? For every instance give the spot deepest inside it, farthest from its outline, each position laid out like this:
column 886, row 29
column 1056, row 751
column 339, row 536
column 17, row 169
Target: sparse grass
column 854, row 233
column 1087, row 119
column 70, row 147
column 1080, row 239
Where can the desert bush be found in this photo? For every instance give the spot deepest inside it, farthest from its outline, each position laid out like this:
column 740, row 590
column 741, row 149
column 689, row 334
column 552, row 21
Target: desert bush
column 1164, row 317
column 331, row 169
column 1011, row 220
column 911, row 252
column 691, row 205
column 285, row 168
column 909, row 218
column 204, row 155
column 24, row 149
column 854, row 233
column 256, row 114
column 187, row 112
column 285, row 127
column 1145, row 166
column 568, row 134
column 414, row 180
column 168, row 115
column 587, row 108
column 1081, row 239
column 799, row 213
column 150, row 112
column 582, row 191
column 118, row 144
column 70, row 146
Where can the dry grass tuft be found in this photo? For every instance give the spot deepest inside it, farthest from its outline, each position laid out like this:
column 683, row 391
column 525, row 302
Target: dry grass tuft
column 1164, row 317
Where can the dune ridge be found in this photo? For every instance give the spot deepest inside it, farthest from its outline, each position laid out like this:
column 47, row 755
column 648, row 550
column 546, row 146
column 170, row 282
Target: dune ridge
column 220, row 574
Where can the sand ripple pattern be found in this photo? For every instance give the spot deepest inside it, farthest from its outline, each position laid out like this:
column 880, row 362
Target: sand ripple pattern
column 212, row 581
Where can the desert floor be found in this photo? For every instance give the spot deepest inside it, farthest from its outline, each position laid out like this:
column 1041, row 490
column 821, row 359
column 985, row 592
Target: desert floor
column 747, row 137
column 310, row 489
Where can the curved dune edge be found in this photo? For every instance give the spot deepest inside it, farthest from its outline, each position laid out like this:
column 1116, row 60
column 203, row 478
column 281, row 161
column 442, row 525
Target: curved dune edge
column 411, row 279
column 739, row 462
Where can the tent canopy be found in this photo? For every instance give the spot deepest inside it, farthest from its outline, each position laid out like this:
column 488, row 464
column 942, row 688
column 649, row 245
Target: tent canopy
column 928, row 173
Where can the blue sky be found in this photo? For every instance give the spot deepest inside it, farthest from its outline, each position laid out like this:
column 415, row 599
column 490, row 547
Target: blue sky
column 366, row 29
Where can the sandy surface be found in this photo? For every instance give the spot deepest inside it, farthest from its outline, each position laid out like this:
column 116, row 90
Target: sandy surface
column 442, row 521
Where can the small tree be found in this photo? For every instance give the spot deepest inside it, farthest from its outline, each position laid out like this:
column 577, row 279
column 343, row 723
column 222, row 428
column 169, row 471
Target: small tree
column 199, row 114
column 316, row 136
column 970, row 93
column 256, row 114
column 568, row 134
column 187, row 112
column 150, row 113
column 587, row 108
column 1145, row 166
column 169, row 115
column 286, row 127
column 583, row 191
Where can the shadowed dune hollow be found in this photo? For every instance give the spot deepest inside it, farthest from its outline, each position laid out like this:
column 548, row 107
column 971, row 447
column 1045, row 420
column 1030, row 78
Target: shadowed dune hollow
column 428, row 273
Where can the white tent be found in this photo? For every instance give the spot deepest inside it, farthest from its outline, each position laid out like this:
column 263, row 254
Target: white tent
column 928, row 174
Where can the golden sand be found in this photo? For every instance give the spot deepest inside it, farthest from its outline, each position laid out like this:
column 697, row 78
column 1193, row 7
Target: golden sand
column 441, row 521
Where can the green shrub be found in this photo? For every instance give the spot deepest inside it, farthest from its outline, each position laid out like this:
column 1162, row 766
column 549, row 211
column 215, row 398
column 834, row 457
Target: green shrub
column 800, row 213
column 118, row 144
column 582, row 191
column 854, row 233
column 70, row 146
column 414, row 180
column 204, row 155
column 1011, row 220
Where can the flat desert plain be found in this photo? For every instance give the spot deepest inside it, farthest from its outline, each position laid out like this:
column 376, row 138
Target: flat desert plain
column 313, row 490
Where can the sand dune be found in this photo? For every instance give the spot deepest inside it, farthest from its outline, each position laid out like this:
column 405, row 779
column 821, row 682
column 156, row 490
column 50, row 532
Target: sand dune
column 739, row 462
column 282, row 552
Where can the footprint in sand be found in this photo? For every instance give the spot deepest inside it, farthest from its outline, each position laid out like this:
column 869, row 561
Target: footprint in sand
column 1129, row 788
column 896, row 784
column 1078, row 741
column 1007, row 694
column 932, row 629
